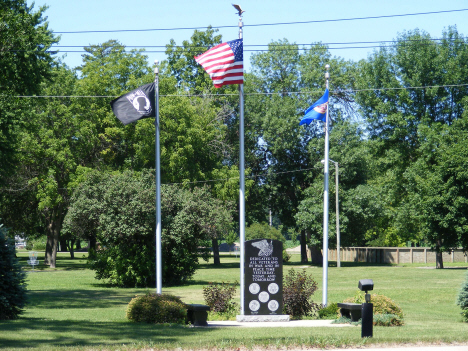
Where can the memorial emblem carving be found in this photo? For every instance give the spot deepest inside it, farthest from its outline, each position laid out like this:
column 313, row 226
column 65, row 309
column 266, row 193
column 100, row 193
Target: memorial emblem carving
column 263, row 277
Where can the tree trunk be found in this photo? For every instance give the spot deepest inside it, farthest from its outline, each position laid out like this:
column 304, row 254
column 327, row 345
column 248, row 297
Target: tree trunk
column 303, row 247
column 72, row 252
column 316, row 255
column 63, row 245
column 92, row 247
column 53, row 228
column 78, row 244
column 214, row 243
column 51, row 249
column 439, row 260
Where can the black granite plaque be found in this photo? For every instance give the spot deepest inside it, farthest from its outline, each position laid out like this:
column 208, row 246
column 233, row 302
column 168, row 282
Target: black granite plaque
column 263, row 277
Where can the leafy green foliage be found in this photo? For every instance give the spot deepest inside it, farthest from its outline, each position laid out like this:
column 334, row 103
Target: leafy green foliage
column 282, row 147
column 12, row 280
column 358, row 204
column 263, row 231
column 464, row 314
column 329, row 312
column 417, row 168
column 286, row 256
column 219, row 296
column 119, row 210
column 157, row 308
column 298, row 288
column 38, row 244
column 25, row 61
column 387, row 320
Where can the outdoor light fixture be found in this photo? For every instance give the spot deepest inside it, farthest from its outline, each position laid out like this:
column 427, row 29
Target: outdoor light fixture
column 366, row 285
column 367, row 310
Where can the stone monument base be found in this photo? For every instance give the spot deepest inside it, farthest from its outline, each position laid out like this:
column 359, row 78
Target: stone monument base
column 263, row 318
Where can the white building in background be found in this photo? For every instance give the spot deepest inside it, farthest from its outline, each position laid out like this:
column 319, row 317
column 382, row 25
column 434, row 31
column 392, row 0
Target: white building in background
column 20, row 243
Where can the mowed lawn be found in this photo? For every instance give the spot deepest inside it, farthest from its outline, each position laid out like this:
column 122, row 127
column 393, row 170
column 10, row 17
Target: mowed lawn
column 70, row 310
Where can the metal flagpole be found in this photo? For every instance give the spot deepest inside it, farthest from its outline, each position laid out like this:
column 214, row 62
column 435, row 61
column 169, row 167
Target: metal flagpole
column 325, row 205
column 338, row 262
column 158, row 185
column 242, row 184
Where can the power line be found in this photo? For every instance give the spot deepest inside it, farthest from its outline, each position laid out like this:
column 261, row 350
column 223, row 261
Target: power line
column 461, row 39
column 266, row 175
column 263, row 24
column 247, row 94
column 271, row 47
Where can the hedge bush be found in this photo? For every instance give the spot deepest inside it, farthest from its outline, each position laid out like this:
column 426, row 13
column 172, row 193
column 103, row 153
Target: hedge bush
column 329, row 312
column 297, row 291
column 157, row 308
column 219, row 296
column 387, row 320
column 12, row 280
column 383, row 305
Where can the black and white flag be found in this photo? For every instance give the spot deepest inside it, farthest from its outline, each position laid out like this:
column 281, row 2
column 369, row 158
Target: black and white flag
column 135, row 105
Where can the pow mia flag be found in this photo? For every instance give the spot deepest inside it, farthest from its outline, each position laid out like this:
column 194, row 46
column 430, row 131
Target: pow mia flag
column 135, row 105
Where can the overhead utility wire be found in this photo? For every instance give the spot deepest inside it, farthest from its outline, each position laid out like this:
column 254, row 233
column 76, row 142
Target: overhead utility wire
column 251, row 177
column 252, row 50
column 281, row 47
column 235, row 94
column 263, row 24
column 461, row 39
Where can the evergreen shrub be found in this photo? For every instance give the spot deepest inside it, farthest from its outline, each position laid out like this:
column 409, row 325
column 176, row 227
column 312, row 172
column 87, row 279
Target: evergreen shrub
column 12, row 280
column 462, row 299
column 157, row 308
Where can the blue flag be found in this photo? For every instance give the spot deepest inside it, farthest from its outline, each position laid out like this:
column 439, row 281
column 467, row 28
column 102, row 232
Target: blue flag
column 317, row 111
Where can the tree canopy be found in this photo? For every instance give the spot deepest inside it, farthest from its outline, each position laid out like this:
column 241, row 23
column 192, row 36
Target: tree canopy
column 398, row 133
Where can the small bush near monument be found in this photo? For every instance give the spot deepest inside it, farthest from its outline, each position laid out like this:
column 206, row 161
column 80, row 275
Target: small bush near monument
column 219, row 297
column 157, row 308
column 12, row 280
column 298, row 288
column 387, row 320
column 329, row 312
column 386, row 311
column 462, row 299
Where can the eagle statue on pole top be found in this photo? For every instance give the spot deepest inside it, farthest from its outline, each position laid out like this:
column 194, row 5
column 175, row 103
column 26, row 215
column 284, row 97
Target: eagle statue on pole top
column 238, row 8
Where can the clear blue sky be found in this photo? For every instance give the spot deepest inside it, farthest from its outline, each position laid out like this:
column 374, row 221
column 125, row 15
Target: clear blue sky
column 85, row 15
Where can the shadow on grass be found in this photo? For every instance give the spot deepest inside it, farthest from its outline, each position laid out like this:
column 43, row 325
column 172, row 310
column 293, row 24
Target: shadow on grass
column 86, row 333
column 81, row 299
column 63, row 265
column 221, row 266
column 343, row 264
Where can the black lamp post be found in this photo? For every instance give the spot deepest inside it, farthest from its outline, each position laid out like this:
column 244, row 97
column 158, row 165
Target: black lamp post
column 367, row 309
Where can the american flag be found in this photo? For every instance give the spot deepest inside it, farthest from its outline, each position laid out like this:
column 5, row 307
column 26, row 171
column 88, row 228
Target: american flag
column 224, row 63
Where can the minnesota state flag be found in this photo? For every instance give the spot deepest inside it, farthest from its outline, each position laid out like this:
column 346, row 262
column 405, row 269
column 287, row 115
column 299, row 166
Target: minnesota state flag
column 317, row 111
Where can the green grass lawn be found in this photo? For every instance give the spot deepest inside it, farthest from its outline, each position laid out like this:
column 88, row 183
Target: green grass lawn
column 69, row 309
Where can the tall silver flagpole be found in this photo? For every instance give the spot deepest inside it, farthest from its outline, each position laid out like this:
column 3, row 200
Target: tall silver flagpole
column 158, row 185
column 242, row 184
column 325, row 204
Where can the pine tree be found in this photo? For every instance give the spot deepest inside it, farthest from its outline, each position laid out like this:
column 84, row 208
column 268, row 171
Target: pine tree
column 462, row 299
column 12, row 280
